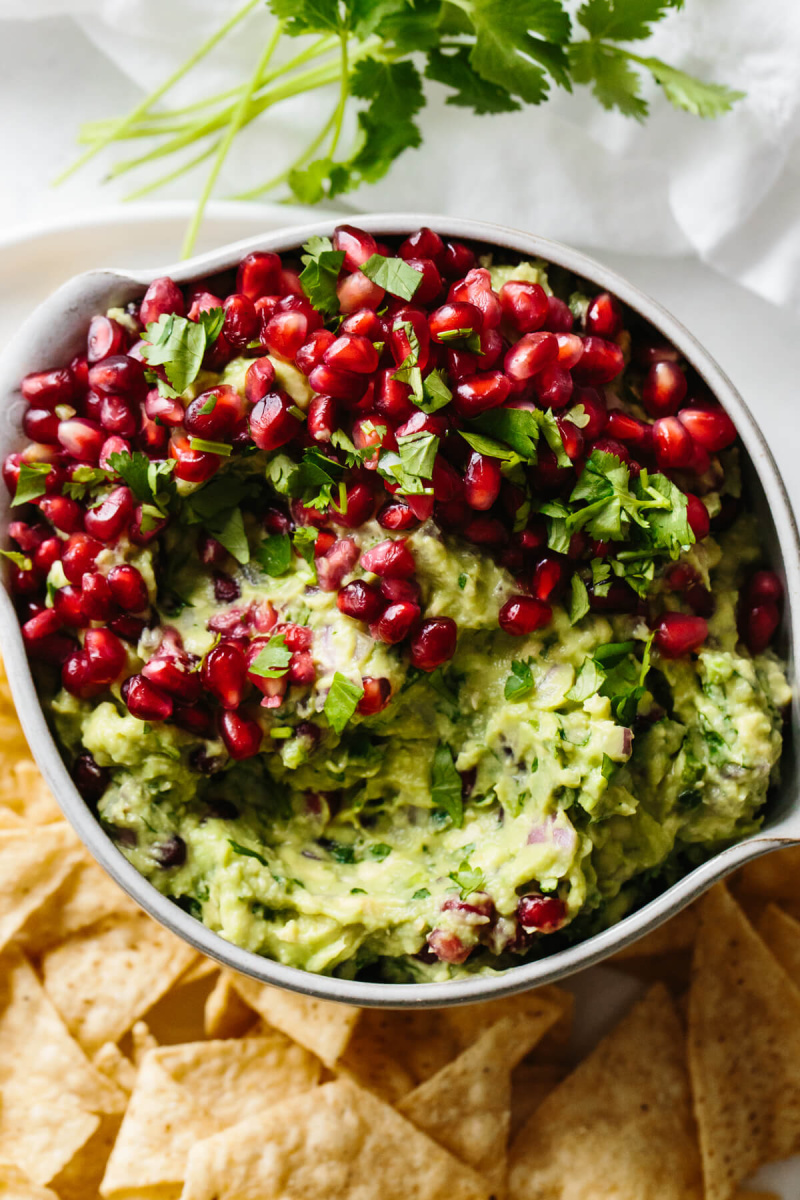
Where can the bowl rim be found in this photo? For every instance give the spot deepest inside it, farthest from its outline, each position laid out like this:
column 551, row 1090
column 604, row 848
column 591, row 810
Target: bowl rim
column 14, row 363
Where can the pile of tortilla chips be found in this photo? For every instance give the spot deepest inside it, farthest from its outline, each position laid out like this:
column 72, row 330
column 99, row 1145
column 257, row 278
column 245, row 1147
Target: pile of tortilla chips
column 131, row 1068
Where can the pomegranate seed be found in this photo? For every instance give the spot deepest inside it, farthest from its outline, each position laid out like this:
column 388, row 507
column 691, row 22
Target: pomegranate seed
column 271, row 422
column 395, row 591
column 604, row 316
column 678, row 634
column 447, row 483
column 226, row 589
column 760, row 623
column 571, row 438
column 41, row 626
column 377, row 694
column 211, row 552
column 224, row 674
column 391, row 559
column 524, row 305
column 144, row 700
column 396, row 516
column 112, row 445
column 476, row 288
column 322, row 420
column 356, row 291
column 521, row 615
column 112, row 515
column 553, row 386
column 195, row 466
column 619, row 598
column 709, row 427
column 241, row 735
column 135, row 533
column 395, row 623
column 541, row 914
column 105, row 338
column 482, row 481
column 607, row 445
column 697, row 516
column 98, row 602
column 701, row 601
column 241, row 320
column 81, row 439
column 118, row 375
column 106, row 654
column 352, row 353
column 559, row 316
column 367, row 433
column 173, row 674
column 76, row 677
column 41, row 425
column 456, row 260
column 311, row 353
column 79, row 556
column 286, row 332
column 117, row 417
column 664, row 389
column 486, row 531
column 128, row 588
column 672, row 442
column 433, row 643
column 90, row 779
column 202, row 302
column 479, row 393
column 359, row 600
column 62, row 512
column 301, row 669
column 448, row 947
column 570, row 349
column 363, row 322
column 763, row 585
column 298, row 637
column 333, row 564
column 162, row 296
column 425, row 243
column 359, row 507
column 154, row 438
column 259, row 274
column 455, row 321
column 290, row 284
column 163, row 408
column 529, row 355
column 357, row 245
column 392, row 398
column 342, row 385
column 46, row 389
column 194, row 720
column 28, row 537
column 307, row 516
column 630, row 430
column 549, row 578
column 600, row 362
column 430, row 286
column 214, row 415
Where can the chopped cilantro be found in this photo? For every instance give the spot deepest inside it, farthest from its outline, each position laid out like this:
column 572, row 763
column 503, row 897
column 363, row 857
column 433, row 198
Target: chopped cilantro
column 462, row 581
column 179, row 346
column 273, row 661
column 228, row 529
column 579, row 599
column 274, row 555
column 339, row 851
column 589, row 679
column 341, row 701
column 246, row 852
column 421, row 894
column 19, row 560
column 380, row 851
column 609, row 767
column 392, row 274
column 315, row 480
column 435, row 392
column 206, row 447
column 409, row 370
column 468, row 879
column 417, row 453
column 320, row 275
column 520, row 682
column 83, row 480
column 446, row 786
column 31, row 483
column 304, row 541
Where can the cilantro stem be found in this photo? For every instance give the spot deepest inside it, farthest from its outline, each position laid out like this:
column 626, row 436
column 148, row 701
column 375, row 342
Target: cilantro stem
column 237, row 120
column 344, row 93
column 124, row 123
column 276, row 180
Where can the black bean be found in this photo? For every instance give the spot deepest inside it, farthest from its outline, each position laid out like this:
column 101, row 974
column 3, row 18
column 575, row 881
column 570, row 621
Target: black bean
column 90, row 780
column 171, row 852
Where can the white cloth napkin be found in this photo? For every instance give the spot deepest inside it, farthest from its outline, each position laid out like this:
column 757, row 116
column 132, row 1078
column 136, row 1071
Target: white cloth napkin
column 727, row 189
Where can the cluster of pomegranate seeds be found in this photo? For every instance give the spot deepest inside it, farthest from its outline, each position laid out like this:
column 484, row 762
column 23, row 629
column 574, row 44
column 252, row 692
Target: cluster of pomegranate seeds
column 422, row 376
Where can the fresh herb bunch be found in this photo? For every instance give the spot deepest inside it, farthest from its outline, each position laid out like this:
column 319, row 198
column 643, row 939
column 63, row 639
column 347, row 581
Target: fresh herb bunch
column 493, row 56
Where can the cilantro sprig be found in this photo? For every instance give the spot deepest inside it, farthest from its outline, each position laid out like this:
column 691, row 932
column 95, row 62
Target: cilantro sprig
column 179, row 346
column 485, row 56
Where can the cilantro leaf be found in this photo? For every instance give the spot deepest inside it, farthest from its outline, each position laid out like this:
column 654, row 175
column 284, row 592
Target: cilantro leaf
column 623, row 20
column 468, row 879
column 31, row 483
column 614, row 83
column 446, row 787
column 552, row 435
column 228, row 529
column 417, row 453
column 84, row 480
column 308, row 16
column 320, row 275
column 304, row 540
column 355, row 456
column 520, row 682
column 470, row 90
column 589, row 680
column 690, row 94
column 394, row 91
column 516, row 427
column 579, row 599
column 380, row 851
column 613, row 653
column 274, row 555
column 178, row 345
column 341, row 701
column 315, row 479
column 489, row 447
column 246, row 852
column 394, row 275
column 409, row 370
column 273, row 661
column 147, row 479
column 512, row 38
column 435, row 392
column 667, row 513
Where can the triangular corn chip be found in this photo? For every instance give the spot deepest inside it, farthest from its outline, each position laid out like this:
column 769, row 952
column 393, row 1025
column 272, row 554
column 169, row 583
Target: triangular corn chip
column 80, row 1178
column 338, row 1142
column 131, row 962
column 31, row 869
column 774, row 876
column 744, row 1048
column 226, row 1014
column 322, row 1026
column 620, row 1126
column 782, row 934
column 676, row 934
column 86, row 895
column 16, row 1185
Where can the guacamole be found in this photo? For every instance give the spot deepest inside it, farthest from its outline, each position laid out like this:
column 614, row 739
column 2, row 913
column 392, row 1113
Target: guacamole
column 491, row 717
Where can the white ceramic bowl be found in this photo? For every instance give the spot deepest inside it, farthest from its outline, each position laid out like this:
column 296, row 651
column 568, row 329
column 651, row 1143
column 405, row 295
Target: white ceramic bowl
column 56, row 331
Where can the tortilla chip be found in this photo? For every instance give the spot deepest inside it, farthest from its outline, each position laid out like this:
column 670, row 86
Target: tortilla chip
column 466, row 1107
column 336, row 1143
column 404, row 1044
column 42, row 1136
column 10, row 820
column 744, row 1048
column 622, row 1117
column 82, row 1175
column 141, row 1040
column 322, row 1026
column 110, row 1060
column 39, row 1061
column 201, row 968
column 782, row 934
column 32, row 866
column 16, row 1185
column 372, row 1063
column 131, row 962
column 226, row 1015
column 161, row 1124
column 87, row 894
column 531, row 1083
column 774, row 876
column 24, row 790
column 676, row 934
